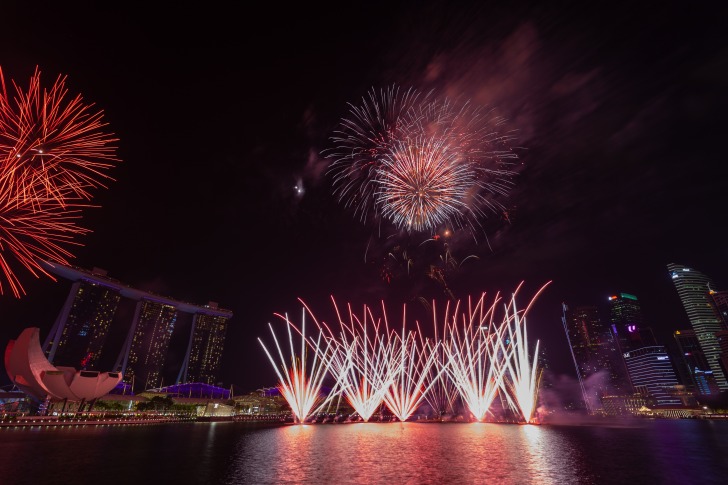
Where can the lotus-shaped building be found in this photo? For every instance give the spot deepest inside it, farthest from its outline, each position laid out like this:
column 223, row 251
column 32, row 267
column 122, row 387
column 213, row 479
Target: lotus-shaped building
column 32, row 373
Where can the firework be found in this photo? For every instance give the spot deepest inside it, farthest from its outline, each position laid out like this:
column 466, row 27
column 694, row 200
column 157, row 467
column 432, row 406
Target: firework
column 421, row 184
column 31, row 231
column 442, row 392
column 521, row 371
column 53, row 152
column 473, row 359
column 364, row 139
column 414, row 358
column 421, row 162
column 53, row 145
column 300, row 382
column 362, row 361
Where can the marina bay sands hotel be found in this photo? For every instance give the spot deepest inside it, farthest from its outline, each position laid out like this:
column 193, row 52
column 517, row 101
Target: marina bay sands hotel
column 79, row 334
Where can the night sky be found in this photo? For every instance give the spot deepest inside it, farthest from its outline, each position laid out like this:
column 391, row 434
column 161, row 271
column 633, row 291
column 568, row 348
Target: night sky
column 221, row 111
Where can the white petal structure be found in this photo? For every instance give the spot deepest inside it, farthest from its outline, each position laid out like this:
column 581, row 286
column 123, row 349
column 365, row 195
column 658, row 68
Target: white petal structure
column 30, row 371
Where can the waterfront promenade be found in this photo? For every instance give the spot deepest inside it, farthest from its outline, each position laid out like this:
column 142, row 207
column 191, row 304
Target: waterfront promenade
column 130, row 419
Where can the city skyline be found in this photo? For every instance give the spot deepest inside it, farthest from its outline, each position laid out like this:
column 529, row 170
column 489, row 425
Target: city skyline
column 143, row 332
column 223, row 195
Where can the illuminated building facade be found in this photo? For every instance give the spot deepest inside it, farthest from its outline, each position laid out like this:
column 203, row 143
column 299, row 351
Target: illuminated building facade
column 722, row 337
column 627, row 324
column 90, row 309
column 78, row 336
column 150, row 334
column 693, row 366
column 204, row 352
column 720, row 300
column 595, row 351
column 652, row 375
column 694, row 290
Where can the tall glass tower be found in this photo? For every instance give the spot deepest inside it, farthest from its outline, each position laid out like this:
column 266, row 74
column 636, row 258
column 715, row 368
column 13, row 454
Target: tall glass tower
column 693, row 363
column 147, row 343
column 78, row 336
column 204, row 352
column 694, row 289
column 720, row 300
column 595, row 351
column 625, row 318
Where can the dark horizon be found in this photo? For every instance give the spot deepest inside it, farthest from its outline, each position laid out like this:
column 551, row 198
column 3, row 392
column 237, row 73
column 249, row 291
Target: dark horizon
column 221, row 114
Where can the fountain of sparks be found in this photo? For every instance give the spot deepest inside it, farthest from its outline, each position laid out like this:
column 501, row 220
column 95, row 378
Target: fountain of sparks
column 362, row 359
column 477, row 355
column 300, row 384
column 473, row 359
column 521, row 371
column 442, row 393
column 414, row 359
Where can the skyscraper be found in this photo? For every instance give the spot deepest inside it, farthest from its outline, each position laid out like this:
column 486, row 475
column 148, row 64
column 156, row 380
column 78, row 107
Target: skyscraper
column 627, row 324
column 652, row 374
column 595, row 352
column 79, row 333
column 694, row 289
column 720, row 300
column 204, row 352
column 693, row 365
column 722, row 337
column 147, row 343
column 78, row 336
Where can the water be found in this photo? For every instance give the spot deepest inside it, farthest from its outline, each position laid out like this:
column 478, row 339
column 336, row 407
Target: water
column 659, row 451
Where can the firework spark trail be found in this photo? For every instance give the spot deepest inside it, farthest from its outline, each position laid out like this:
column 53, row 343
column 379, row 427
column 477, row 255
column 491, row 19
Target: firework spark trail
column 50, row 143
column 414, row 358
column 422, row 185
column 53, row 152
column 473, row 359
column 421, row 162
column 30, row 234
column 361, row 363
column 442, row 392
column 476, row 357
column 521, row 371
column 300, row 384
column 362, row 140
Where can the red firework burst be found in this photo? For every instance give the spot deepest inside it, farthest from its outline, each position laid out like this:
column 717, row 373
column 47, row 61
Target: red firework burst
column 53, row 152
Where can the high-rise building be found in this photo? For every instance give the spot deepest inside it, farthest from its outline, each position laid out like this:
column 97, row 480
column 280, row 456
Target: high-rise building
column 78, row 336
column 204, row 352
column 595, row 351
column 693, row 366
column 720, row 300
column 652, row 374
column 694, row 289
column 627, row 324
column 722, row 337
column 150, row 333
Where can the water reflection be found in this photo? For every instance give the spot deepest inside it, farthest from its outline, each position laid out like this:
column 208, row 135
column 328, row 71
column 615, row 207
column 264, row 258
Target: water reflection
column 660, row 451
column 410, row 453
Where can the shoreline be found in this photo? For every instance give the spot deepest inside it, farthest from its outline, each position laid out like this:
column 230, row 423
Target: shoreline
column 56, row 422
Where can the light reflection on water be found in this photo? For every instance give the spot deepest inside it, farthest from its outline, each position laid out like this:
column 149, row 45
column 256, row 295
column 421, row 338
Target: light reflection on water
column 409, row 453
column 661, row 451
